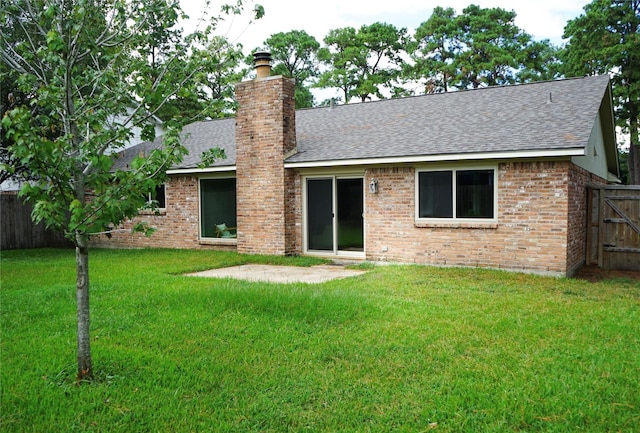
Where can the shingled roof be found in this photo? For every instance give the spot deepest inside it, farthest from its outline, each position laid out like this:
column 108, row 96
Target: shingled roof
column 551, row 116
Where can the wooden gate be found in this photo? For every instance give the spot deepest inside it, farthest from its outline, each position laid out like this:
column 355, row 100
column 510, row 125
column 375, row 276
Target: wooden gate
column 613, row 238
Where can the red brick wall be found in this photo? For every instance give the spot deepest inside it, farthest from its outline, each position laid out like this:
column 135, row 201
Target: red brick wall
column 178, row 227
column 531, row 233
column 535, row 201
column 265, row 132
column 579, row 179
column 293, row 203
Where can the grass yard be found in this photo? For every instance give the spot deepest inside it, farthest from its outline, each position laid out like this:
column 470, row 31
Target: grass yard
column 400, row 348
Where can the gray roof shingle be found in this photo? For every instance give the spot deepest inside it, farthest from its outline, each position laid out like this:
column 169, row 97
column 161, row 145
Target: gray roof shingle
column 550, row 115
column 197, row 137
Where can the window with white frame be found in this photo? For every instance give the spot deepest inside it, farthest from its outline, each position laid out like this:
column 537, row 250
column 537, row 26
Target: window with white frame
column 218, row 208
column 468, row 193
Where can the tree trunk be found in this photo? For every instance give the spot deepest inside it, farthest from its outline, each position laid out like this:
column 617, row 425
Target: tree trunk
column 634, row 149
column 85, row 369
column 633, row 163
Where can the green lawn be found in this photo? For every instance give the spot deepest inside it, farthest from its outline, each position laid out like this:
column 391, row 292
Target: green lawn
column 400, row 348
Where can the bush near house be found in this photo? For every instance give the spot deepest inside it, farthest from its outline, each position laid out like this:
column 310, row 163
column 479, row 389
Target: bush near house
column 400, row 348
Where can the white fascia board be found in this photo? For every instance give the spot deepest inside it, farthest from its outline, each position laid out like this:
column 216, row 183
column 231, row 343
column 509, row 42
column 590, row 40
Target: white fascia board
column 202, row 170
column 578, row 151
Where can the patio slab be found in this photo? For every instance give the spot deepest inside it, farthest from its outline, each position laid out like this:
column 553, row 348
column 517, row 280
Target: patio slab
column 281, row 274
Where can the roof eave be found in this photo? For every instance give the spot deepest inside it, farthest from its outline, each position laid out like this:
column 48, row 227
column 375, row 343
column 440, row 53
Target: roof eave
column 552, row 153
column 195, row 170
column 607, row 117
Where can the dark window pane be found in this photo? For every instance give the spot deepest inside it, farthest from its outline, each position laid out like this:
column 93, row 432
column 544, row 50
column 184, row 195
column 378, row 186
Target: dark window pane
column 160, row 197
column 217, row 205
column 474, row 194
column 320, row 214
column 155, row 199
column 435, row 194
column 350, row 208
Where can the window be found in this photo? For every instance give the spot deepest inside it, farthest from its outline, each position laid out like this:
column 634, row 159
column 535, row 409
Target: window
column 436, row 198
column 156, row 198
column 218, row 207
column 456, row 194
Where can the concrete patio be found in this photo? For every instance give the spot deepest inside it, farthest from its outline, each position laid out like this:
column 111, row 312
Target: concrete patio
column 281, row 274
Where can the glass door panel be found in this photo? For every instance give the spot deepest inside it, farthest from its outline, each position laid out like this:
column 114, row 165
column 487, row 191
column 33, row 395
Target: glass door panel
column 320, row 214
column 350, row 225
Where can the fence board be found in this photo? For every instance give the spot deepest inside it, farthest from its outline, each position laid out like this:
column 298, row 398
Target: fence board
column 17, row 230
column 614, row 213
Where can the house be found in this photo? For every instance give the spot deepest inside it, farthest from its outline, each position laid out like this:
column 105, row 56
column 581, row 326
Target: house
column 494, row 177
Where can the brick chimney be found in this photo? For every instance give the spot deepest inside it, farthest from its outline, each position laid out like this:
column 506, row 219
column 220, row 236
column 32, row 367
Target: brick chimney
column 265, row 133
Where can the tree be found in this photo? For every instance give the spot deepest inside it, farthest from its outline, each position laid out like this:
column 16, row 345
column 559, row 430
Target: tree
column 540, row 61
column 493, row 44
column 336, row 56
column 365, row 62
column 606, row 40
column 437, row 42
column 295, row 55
column 210, row 93
column 159, row 34
column 624, row 165
column 86, row 65
column 158, row 38
column 11, row 96
column 480, row 47
column 217, row 62
column 221, row 70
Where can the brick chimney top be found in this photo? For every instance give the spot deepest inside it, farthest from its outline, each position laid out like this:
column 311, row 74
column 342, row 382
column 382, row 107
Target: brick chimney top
column 262, row 63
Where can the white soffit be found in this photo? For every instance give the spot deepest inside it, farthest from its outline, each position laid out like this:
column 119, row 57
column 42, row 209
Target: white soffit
column 579, row 151
column 202, row 170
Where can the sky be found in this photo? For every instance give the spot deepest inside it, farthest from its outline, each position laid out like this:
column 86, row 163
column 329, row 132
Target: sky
column 544, row 19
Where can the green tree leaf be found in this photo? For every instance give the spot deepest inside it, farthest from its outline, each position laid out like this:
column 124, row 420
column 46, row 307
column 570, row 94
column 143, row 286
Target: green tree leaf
column 479, row 47
column 363, row 63
column 294, row 55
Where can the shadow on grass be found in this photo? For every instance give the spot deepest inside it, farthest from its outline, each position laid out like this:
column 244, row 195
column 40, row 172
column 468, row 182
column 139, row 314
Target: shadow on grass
column 595, row 274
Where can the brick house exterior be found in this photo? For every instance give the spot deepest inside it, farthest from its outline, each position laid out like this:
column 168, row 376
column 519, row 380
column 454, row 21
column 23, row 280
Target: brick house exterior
column 302, row 177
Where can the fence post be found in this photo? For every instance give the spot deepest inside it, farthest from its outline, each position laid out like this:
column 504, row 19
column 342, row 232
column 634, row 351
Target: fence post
column 589, row 240
column 601, row 227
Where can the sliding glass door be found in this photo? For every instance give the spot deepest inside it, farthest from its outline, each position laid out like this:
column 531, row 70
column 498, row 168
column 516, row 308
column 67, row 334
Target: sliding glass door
column 320, row 214
column 334, row 215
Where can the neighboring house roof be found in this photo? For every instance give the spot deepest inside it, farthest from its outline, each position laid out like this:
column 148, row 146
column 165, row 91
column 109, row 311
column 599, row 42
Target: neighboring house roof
column 537, row 119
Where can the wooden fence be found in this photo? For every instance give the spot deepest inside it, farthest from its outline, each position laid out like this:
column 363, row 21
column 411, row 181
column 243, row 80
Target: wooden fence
column 17, row 230
column 613, row 239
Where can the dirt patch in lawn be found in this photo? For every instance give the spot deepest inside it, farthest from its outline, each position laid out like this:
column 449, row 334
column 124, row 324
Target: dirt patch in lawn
column 595, row 274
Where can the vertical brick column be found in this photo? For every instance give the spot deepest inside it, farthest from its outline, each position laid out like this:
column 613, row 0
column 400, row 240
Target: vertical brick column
column 578, row 225
column 265, row 133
